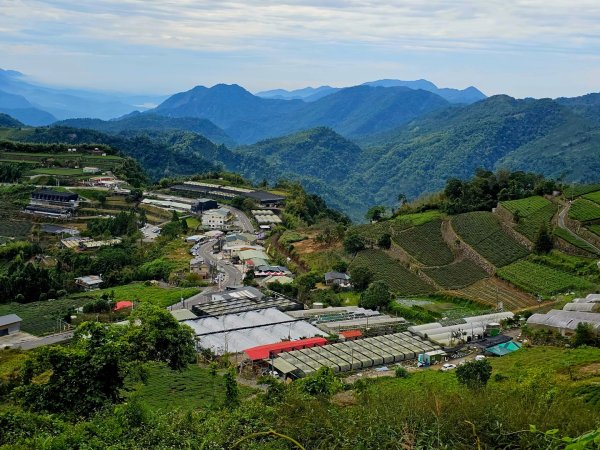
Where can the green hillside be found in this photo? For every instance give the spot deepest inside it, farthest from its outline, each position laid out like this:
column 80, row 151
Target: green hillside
column 530, row 213
column 426, row 244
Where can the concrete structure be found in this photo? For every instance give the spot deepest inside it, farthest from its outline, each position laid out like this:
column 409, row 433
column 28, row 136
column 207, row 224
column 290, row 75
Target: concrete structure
column 168, row 204
column 200, row 267
column 89, row 282
column 10, row 324
column 217, row 219
column 195, row 188
column 55, row 229
column 91, row 170
column 183, row 314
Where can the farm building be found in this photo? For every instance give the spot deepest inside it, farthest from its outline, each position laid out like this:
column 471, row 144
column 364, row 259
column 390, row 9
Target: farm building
column 265, row 270
column 281, row 279
column 353, row 355
column 241, row 300
column 234, row 333
column 591, row 303
column 168, row 204
column 265, row 199
column 460, row 330
column 217, row 218
column 339, row 319
column 200, row 267
column 55, row 229
column 263, row 352
column 10, row 324
column 91, row 170
column 503, row 349
column 51, row 203
column 89, row 282
column 338, row 278
column 183, row 314
column 203, row 204
column 564, row 322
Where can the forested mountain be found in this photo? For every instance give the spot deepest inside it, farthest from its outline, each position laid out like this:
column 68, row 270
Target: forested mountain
column 8, row 121
column 309, row 94
column 67, row 103
column 587, row 106
column 19, row 107
column 352, row 111
column 137, row 121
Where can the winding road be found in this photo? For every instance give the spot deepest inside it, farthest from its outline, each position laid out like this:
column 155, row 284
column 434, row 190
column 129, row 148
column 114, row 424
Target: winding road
column 561, row 224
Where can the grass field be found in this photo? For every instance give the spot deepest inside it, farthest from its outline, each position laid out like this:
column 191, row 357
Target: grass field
column 14, row 228
column 483, row 232
column 82, row 159
column 456, row 275
column 426, row 244
column 492, row 291
column 574, row 240
column 138, row 291
column 543, row 280
column 584, row 210
column 190, row 389
column 55, row 171
column 399, row 279
column 192, row 223
column 39, row 318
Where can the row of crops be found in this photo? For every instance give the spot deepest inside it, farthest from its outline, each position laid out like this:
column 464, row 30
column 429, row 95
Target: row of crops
column 532, row 213
column 574, row 240
column 398, row 278
column 483, row 232
column 540, row 279
column 492, row 292
column 426, row 244
column 593, row 196
column 372, row 232
column 584, row 210
column 456, row 275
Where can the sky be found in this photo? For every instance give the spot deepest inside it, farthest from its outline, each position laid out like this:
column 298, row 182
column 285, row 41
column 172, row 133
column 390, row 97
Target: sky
column 524, row 48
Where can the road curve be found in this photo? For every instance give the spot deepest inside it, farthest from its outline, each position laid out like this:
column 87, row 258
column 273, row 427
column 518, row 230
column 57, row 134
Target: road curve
column 561, row 224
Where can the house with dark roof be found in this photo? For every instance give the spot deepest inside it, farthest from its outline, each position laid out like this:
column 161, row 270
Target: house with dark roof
column 10, row 324
column 339, row 278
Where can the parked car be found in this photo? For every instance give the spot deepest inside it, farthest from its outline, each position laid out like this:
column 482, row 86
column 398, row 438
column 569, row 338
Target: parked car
column 479, row 358
column 447, row 367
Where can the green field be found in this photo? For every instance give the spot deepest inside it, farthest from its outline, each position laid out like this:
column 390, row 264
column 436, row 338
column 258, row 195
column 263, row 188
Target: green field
column 426, row 244
column 483, row 232
column 190, row 389
column 574, row 240
column 60, row 159
column 593, row 196
column 594, row 229
column 14, row 228
column 456, row 275
column 580, row 189
column 40, row 318
column 399, row 279
column 138, row 291
column 584, row 210
column 56, row 171
column 533, row 212
column 543, row 280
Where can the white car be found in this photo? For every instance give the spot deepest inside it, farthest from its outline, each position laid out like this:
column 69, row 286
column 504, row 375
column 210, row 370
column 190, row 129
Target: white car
column 447, row 367
column 479, row 358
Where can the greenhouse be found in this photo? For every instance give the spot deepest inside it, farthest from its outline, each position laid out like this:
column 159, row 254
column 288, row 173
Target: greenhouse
column 353, row 355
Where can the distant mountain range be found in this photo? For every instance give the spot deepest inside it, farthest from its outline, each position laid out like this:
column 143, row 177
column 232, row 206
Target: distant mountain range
column 42, row 105
column 309, row 94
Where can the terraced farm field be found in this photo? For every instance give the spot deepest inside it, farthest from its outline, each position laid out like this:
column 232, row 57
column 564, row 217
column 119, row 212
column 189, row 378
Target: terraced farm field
column 593, row 196
column 372, row 232
column 426, row 244
column 584, row 210
column 539, row 279
column 580, row 189
column 533, row 211
column 483, row 232
column 594, row 229
column 399, row 279
column 82, row 159
column 457, row 275
column 14, row 228
column 575, row 241
column 491, row 291
column 39, row 318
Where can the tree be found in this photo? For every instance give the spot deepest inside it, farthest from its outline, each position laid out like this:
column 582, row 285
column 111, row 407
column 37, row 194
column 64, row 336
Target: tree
column 184, row 224
column 474, row 374
column 361, row 277
column 401, row 199
column 584, row 335
column 340, row 266
column 232, row 392
column 323, row 383
column 377, row 295
column 385, row 241
column 375, row 213
column 174, row 216
column 543, row 241
column 353, row 243
column 155, row 335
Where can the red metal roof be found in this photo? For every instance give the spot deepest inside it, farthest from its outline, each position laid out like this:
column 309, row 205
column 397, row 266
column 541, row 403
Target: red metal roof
column 264, row 351
column 351, row 334
column 123, row 305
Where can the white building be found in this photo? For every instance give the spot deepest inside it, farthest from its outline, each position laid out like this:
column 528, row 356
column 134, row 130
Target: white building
column 217, row 218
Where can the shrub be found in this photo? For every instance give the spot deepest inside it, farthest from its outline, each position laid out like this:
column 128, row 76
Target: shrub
column 474, row 374
column 401, row 372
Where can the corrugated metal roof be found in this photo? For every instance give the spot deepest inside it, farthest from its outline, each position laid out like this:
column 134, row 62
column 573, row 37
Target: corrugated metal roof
column 9, row 319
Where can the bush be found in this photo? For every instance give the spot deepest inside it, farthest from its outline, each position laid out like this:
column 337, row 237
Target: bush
column 401, row 372
column 474, row 374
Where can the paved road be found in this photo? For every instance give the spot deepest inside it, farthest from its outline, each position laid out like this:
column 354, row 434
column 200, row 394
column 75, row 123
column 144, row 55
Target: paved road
column 561, row 223
column 233, row 277
column 45, row 340
column 241, row 218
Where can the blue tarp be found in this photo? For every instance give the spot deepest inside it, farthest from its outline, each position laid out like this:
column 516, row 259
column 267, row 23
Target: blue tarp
column 504, row 349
